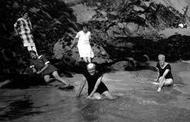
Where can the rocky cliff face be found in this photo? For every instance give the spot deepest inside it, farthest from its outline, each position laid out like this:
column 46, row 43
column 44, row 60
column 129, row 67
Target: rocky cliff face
column 51, row 20
column 133, row 28
column 145, row 15
column 132, row 31
column 179, row 5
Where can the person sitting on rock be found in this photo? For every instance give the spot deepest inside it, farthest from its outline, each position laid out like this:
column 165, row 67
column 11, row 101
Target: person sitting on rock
column 164, row 77
column 40, row 65
column 96, row 88
column 84, row 47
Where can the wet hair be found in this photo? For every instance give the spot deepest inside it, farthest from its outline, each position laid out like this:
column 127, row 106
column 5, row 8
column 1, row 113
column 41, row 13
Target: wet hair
column 161, row 56
column 91, row 66
column 84, row 25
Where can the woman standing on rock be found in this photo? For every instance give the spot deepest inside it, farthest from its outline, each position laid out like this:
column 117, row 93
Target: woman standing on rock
column 84, row 47
column 165, row 77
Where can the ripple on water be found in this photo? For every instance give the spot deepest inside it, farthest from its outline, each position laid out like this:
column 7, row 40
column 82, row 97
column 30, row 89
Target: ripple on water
column 18, row 109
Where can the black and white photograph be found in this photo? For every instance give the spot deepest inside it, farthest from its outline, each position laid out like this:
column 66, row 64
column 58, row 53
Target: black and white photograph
column 94, row 60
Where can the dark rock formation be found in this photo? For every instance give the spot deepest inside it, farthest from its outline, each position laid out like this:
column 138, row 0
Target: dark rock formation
column 122, row 30
column 50, row 19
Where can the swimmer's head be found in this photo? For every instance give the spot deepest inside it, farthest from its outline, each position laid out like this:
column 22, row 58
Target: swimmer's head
column 161, row 59
column 33, row 54
column 85, row 28
column 91, row 68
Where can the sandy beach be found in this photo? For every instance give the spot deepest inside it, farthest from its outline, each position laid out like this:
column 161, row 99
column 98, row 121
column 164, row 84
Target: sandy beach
column 137, row 100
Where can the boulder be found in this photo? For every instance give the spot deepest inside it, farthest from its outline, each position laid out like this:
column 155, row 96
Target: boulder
column 120, row 66
column 83, row 13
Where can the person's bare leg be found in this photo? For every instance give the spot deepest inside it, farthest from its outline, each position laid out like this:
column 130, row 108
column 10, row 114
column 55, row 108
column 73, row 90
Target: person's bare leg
column 161, row 84
column 4, row 83
column 164, row 82
column 56, row 76
column 168, row 82
column 47, row 78
column 97, row 96
column 108, row 95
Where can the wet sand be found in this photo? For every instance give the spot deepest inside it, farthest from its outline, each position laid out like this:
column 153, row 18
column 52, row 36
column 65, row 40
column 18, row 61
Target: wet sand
column 137, row 100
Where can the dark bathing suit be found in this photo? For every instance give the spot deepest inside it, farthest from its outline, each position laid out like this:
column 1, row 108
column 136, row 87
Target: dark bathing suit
column 92, row 79
column 39, row 63
column 161, row 71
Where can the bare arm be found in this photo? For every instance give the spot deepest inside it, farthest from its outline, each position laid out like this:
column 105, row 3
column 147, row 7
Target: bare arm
column 46, row 64
column 158, row 74
column 165, row 73
column 90, row 36
column 96, row 86
column 74, row 42
column 45, row 67
column 81, row 87
column 15, row 32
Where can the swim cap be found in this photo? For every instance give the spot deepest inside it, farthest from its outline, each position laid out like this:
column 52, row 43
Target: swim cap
column 91, row 66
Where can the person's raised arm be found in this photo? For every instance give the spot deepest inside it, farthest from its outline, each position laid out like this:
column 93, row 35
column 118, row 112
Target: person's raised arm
column 96, row 86
column 81, row 87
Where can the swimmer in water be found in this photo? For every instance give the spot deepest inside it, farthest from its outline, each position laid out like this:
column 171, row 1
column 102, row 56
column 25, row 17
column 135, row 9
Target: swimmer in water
column 96, row 88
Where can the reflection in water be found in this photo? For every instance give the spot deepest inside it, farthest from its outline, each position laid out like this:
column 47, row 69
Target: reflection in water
column 88, row 110
column 17, row 109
